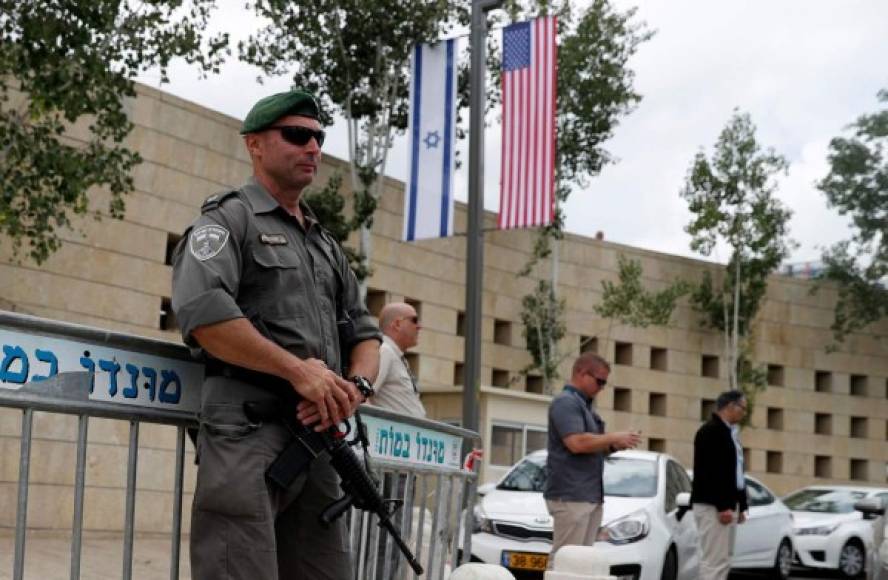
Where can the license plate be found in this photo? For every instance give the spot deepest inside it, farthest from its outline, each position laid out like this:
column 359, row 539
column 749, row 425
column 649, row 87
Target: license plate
column 525, row 560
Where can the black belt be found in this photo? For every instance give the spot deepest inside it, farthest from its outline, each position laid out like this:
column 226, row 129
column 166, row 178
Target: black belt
column 217, row 368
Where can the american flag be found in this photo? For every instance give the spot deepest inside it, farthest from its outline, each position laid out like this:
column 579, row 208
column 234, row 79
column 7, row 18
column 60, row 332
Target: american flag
column 527, row 179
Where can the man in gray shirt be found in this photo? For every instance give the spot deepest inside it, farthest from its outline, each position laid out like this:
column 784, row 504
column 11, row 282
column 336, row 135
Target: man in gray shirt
column 261, row 289
column 577, row 445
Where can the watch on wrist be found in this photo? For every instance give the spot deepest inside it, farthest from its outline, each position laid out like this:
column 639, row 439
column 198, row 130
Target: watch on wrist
column 363, row 385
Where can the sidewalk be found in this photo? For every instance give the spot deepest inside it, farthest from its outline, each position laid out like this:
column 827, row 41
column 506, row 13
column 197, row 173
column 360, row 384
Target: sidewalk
column 48, row 556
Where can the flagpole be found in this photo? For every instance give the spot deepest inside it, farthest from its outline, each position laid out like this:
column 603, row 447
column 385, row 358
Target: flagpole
column 475, row 233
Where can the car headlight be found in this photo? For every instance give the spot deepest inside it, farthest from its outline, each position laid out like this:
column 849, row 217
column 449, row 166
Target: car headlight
column 481, row 523
column 627, row 529
column 817, row 530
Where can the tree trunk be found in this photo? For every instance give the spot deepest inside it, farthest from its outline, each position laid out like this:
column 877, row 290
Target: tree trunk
column 736, row 337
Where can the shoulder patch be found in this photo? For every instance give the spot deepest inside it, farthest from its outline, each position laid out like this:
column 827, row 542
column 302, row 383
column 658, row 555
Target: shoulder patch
column 216, row 200
column 207, row 241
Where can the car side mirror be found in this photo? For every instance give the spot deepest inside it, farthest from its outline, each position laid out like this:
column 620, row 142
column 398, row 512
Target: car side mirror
column 871, row 507
column 683, row 501
column 485, row 489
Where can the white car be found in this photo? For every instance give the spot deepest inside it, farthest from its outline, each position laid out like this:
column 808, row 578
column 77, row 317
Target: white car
column 874, row 508
column 829, row 533
column 644, row 534
column 764, row 542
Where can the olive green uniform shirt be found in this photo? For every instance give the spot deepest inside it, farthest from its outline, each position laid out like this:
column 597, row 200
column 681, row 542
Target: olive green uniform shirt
column 246, row 256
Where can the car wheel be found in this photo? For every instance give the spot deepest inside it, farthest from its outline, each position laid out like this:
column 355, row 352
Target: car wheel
column 783, row 561
column 851, row 560
column 670, row 565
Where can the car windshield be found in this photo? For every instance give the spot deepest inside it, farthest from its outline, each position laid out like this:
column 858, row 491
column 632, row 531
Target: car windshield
column 623, row 477
column 828, row 501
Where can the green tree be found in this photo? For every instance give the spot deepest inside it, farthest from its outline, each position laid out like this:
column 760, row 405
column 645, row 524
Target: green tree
column 731, row 196
column 355, row 56
column 61, row 62
column 857, row 185
column 627, row 302
column 594, row 90
column 544, row 327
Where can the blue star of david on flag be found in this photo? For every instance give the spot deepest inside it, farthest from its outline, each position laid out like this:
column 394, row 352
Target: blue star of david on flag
column 431, row 139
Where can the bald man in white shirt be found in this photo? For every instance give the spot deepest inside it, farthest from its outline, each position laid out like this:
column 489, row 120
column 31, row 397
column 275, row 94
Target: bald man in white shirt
column 395, row 386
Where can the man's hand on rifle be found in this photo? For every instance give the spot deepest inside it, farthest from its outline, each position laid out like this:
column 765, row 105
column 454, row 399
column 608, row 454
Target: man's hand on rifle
column 327, row 397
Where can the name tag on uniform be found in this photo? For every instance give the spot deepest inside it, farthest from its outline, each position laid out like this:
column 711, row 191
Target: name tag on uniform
column 273, row 239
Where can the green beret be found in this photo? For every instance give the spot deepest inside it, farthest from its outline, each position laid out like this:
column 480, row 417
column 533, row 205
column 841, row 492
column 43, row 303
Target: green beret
column 268, row 110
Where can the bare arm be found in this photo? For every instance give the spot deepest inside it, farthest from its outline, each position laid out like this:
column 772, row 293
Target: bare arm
column 238, row 342
column 600, row 442
column 365, row 360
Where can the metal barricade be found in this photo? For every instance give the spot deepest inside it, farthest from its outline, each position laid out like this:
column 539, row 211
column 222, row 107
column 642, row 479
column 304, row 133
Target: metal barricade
column 56, row 367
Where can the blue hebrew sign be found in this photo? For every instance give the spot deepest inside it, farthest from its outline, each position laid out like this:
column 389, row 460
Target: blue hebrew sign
column 115, row 375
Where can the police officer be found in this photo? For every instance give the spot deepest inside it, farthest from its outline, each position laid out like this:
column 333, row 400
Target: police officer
column 267, row 294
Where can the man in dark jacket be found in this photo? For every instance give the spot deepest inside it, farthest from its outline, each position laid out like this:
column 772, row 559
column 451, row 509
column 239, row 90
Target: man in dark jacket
column 719, row 491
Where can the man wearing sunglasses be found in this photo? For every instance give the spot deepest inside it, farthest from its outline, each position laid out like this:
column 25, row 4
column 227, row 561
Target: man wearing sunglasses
column 268, row 297
column 395, row 387
column 577, row 444
column 719, row 488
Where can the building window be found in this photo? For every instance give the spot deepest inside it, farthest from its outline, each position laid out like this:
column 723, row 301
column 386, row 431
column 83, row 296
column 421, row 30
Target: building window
column 535, row 439
column 822, row 466
column 747, row 458
column 505, row 445
column 623, row 353
column 774, row 461
column 775, row 375
column 658, row 445
column 509, row 443
column 622, row 399
column 858, row 427
column 460, row 323
column 859, row 469
column 500, row 378
column 172, row 242
column 502, row 332
column 657, row 404
column 534, row 384
column 459, row 374
column 588, row 344
column 823, row 381
column 376, row 299
column 775, row 419
column 709, row 366
column 416, row 304
column 167, row 317
column 659, row 360
column 707, row 408
column 823, row 424
column 858, row 386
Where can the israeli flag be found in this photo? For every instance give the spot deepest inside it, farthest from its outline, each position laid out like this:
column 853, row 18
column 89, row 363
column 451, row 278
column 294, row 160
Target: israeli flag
column 428, row 199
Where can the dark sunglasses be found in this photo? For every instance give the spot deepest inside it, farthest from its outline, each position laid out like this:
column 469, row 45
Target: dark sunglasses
column 413, row 319
column 601, row 382
column 298, row 135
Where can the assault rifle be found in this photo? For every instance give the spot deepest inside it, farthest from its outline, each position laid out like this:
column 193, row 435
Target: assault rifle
column 359, row 489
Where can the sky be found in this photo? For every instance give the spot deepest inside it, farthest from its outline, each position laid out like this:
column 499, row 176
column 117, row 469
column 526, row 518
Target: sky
column 803, row 70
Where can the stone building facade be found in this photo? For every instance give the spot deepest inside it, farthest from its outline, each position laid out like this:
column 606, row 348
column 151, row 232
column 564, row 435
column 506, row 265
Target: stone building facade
column 824, row 417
